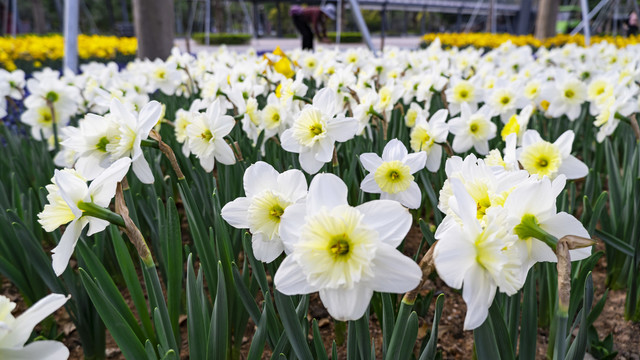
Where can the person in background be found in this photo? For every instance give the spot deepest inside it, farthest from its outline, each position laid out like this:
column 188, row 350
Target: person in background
column 317, row 17
column 633, row 23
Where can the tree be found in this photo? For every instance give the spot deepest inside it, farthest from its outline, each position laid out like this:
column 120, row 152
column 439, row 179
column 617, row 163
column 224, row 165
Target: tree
column 154, row 26
column 546, row 18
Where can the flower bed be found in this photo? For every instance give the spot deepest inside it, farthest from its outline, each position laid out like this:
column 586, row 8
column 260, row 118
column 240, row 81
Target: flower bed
column 231, row 188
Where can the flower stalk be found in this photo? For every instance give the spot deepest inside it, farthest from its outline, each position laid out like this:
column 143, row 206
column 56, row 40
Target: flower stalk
column 530, row 228
column 427, row 266
column 168, row 152
column 93, row 210
column 132, row 231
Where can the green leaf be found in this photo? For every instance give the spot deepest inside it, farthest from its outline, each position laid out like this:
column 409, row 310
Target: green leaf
column 133, row 283
column 219, row 327
column 122, row 333
column 615, row 242
column 257, row 343
column 174, row 265
column 109, row 288
column 245, row 296
column 501, row 333
column 363, row 336
column 410, row 337
column 196, row 315
column 388, row 320
column 529, row 325
column 318, row 345
column 292, row 326
column 597, row 211
column 485, row 342
column 429, row 352
column 398, row 331
column 579, row 347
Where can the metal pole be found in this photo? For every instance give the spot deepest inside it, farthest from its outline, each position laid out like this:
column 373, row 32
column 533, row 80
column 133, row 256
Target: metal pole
column 338, row 23
column 615, row 17
column 494, row 17
column 125, row 11
column 585, row 20
column 279, row 24
column 472, row 18
column 524, row 17
column 591, row 14
column 405, row 15
column 383, row 15
column 207, row 21
column 357, row 14
column 256, row 22
column 14, row 17
column 71, row 35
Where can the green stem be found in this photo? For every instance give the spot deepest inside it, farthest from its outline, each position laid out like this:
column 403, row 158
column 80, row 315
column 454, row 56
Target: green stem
column 150, row 143
column 530, row 228
column 93, row 210
column 302, row 98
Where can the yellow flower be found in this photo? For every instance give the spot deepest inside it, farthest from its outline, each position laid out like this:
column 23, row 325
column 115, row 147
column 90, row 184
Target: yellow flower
column 284, row 67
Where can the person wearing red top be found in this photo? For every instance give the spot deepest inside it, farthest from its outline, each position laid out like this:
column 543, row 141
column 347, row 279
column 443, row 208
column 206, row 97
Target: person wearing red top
column 317, row 17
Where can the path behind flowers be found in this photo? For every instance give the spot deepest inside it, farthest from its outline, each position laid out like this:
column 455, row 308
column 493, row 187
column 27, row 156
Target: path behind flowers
column 269, row 44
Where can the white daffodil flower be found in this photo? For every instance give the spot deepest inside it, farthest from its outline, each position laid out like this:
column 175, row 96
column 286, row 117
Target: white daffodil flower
column 346, row 253
column 533, row 204
column 132, row 128
column 478, row 259
column 428, row 135
column 504, row 101
column 48, row 91
column 206, row 134
column 90, row 145
column 268, row 194
column 391, row 175
column 274, row 117
column 414, row 113
column 486, row 187
column 463, row 92
column 542, row 158
column 472, row 130
column 517, row 124
column 15, row 331
column 510, row 161
column 69, row 198
column 316, row 129
column 565, row 96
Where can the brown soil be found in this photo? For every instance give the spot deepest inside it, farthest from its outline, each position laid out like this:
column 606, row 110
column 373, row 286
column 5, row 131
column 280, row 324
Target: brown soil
column 453, row 341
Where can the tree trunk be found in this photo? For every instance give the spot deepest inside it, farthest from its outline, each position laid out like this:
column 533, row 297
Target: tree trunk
column 546, row 18
column 219, row 16
column 39, row 24
column 154, row 26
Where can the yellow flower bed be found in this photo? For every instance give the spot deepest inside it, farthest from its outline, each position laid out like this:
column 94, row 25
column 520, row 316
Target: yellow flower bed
column 41, row 48
column 495, row 40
